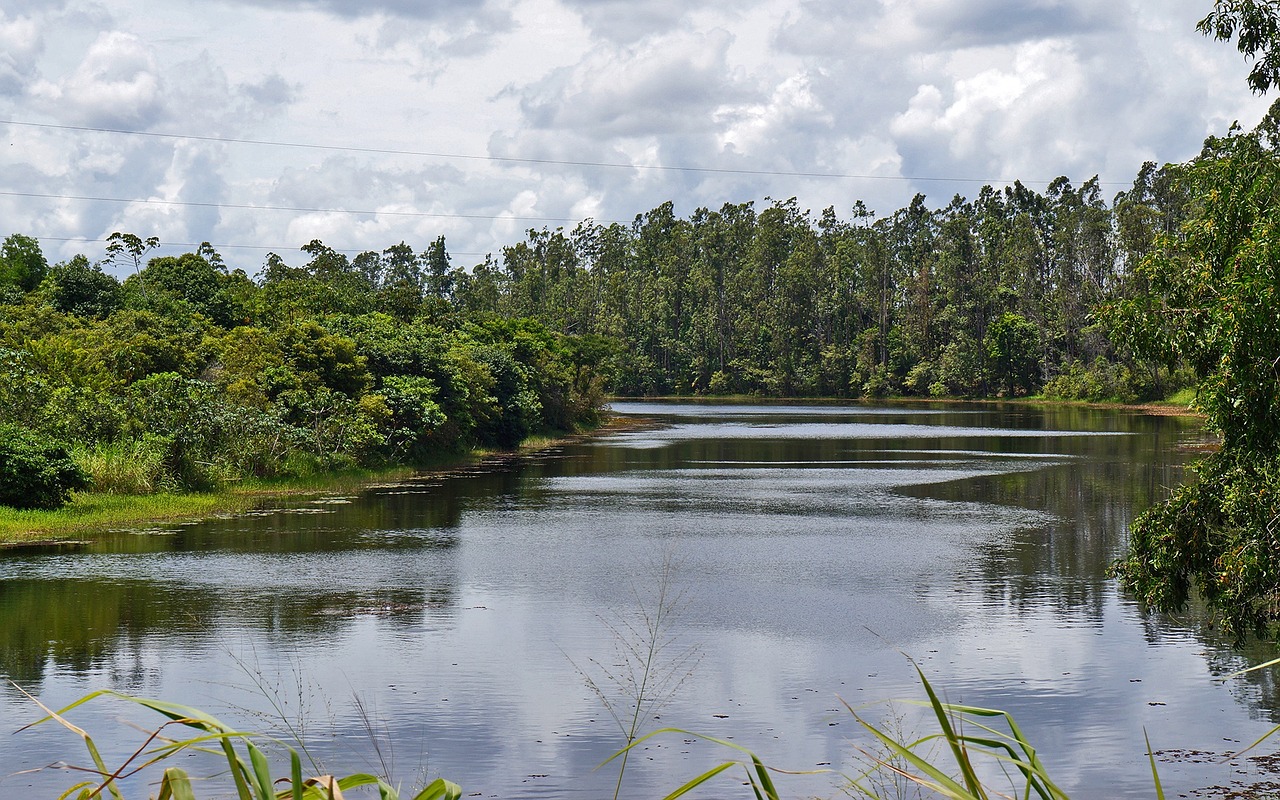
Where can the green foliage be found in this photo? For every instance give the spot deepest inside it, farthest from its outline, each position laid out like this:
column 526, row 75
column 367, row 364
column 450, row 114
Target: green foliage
column 1215, row 302
column 413, row 415
column 1098, row 382
column 36, row 472
column 22, row 264
column 1217, row 534
column 249, row 771
column 1255, row 24
column 192, row 279
column 132, row 344
column 1011, row 343
column 191, row 375
column 84, row 290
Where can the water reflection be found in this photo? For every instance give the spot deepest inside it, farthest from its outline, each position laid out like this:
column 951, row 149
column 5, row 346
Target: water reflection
column 816, row 544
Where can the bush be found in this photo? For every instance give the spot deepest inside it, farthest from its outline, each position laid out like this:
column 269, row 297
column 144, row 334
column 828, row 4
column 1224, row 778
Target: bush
column 36, row 473
column 1099, row 382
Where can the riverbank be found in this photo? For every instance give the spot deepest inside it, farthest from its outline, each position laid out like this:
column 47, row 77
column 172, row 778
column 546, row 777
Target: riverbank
column 91, row 514
column 1178, row 405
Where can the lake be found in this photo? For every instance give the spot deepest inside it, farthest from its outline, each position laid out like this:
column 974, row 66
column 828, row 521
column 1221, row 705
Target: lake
column 456, row 625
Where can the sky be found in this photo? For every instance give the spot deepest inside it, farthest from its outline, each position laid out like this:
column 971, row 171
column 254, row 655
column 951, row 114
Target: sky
column 260, row 125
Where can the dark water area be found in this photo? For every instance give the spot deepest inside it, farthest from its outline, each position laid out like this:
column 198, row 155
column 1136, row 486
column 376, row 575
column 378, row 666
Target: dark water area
column 455, row 621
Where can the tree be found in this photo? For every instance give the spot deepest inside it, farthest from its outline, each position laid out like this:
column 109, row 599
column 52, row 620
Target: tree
column 83, row 289
column 22, row 264
column 1255, row 24
column 1215, row 303
column 35, row 473
column 1010, row 343
column 129, row 250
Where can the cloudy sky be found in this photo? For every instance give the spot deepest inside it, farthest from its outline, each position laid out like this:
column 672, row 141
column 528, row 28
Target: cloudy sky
column 260, row 125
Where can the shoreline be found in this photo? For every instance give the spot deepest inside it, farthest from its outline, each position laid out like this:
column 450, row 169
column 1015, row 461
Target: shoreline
column 1161, row 408
column 91, row 515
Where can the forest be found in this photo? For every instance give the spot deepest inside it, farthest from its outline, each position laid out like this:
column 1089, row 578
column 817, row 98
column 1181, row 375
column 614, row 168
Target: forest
column 190, row 373
column 1008, row 295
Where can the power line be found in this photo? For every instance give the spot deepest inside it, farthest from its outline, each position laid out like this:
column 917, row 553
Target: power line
column 247, row 207
column 515, row 160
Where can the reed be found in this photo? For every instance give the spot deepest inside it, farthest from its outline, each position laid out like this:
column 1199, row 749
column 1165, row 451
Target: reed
column 973, row 742
column 249, row 770
column 648, row 667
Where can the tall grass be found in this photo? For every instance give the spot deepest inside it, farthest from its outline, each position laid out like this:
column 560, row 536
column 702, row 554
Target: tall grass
column 649, row 664
column 970, row 745
column 127, row 466
column 974, row 743
column 249, row 769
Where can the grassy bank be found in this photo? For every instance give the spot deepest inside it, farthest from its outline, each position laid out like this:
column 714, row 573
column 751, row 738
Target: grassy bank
column 93, row 513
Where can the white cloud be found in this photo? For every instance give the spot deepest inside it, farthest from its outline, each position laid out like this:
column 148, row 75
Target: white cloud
column 20, row 47
column 884, row 88
column 1000, row 122
column 666, row 85
column 118, row 83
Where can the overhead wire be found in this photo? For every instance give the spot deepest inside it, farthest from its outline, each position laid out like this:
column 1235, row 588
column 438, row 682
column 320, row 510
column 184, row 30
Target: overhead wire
column 416, row 153
column 300, row 209
column 521, row 160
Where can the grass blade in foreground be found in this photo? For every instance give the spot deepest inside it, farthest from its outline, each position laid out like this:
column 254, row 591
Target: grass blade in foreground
column 250, row 773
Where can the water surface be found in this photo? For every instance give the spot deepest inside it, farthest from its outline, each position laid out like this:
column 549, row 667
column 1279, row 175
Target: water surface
column 457, row 620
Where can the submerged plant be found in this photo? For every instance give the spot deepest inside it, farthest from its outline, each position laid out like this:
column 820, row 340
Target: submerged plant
column 248, row 768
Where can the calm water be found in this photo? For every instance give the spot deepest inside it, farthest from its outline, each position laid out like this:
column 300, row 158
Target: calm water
column 455, row 621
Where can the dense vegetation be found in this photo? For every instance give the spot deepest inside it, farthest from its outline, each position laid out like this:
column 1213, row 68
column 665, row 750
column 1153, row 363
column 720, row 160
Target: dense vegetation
column 983, row 297
column 189, row 374
column 1214, row 302
column 1216, row 305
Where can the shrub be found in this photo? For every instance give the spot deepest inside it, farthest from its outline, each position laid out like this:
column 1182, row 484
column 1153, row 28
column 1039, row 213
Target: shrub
column 35, row 472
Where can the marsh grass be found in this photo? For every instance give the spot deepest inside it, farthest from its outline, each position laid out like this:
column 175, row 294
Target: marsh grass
column 248, row 767
column 970, row 744
column 128, row 466
column 649, row 664
column 93, row 512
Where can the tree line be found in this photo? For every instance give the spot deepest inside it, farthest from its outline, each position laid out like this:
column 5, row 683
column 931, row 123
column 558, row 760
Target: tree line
column 1001, row 295
column 189, row 372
